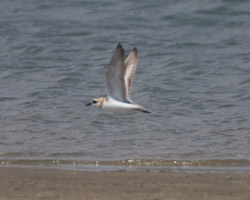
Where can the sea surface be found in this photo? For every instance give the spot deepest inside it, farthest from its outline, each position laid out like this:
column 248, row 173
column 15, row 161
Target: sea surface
column 193, row 75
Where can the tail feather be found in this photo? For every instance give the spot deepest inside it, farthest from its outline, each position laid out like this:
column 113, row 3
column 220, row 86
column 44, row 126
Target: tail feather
column 143, row 110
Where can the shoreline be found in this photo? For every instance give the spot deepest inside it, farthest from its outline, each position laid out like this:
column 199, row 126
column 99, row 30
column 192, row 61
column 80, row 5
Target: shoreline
column 36, row 183
column 212, row 165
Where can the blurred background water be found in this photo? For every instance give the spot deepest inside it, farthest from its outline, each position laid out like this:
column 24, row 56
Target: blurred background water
column 193, row 74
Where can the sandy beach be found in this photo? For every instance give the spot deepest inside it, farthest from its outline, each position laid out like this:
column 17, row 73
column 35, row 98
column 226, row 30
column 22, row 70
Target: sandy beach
column 20, row 183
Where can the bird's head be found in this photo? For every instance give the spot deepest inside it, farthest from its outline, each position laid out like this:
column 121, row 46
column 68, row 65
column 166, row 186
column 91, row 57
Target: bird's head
column 94, row 101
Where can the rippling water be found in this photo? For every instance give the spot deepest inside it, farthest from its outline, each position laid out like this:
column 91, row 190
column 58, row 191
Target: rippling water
column 193, row 74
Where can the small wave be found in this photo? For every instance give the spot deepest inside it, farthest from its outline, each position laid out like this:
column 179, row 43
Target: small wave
column 2, row 99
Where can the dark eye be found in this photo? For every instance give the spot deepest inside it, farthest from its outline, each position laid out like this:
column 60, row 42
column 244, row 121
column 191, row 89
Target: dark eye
column 94, row 101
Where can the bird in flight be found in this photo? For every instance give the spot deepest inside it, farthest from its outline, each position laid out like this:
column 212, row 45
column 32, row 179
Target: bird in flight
column 119, row 79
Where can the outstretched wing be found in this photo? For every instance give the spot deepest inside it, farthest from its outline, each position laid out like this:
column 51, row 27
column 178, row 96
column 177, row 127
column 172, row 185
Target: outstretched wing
column 115, row 75
column 131, row 65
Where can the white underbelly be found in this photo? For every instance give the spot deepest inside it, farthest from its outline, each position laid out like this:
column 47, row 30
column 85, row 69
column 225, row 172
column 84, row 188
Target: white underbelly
column 119, row 107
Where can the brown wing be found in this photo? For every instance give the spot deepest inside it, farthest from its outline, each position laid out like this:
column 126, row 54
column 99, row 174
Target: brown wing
column 131, row 65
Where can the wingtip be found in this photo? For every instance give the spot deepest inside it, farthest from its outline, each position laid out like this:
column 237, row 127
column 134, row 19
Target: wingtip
column 135, row 50
column 119, row 46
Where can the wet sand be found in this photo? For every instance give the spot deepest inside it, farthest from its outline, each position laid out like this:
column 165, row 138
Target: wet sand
column 19, row 183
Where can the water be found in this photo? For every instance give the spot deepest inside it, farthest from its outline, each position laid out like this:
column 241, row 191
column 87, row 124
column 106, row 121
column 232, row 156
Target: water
column 193, row 74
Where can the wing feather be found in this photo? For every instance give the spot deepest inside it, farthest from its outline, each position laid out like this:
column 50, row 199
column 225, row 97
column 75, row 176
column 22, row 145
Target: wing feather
column 130, row 70
column 115, row 75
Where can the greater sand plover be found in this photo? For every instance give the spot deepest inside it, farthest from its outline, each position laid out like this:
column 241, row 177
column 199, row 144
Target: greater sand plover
column 119, row 78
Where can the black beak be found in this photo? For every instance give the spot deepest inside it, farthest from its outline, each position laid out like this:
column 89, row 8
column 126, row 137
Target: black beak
column 88, row 104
